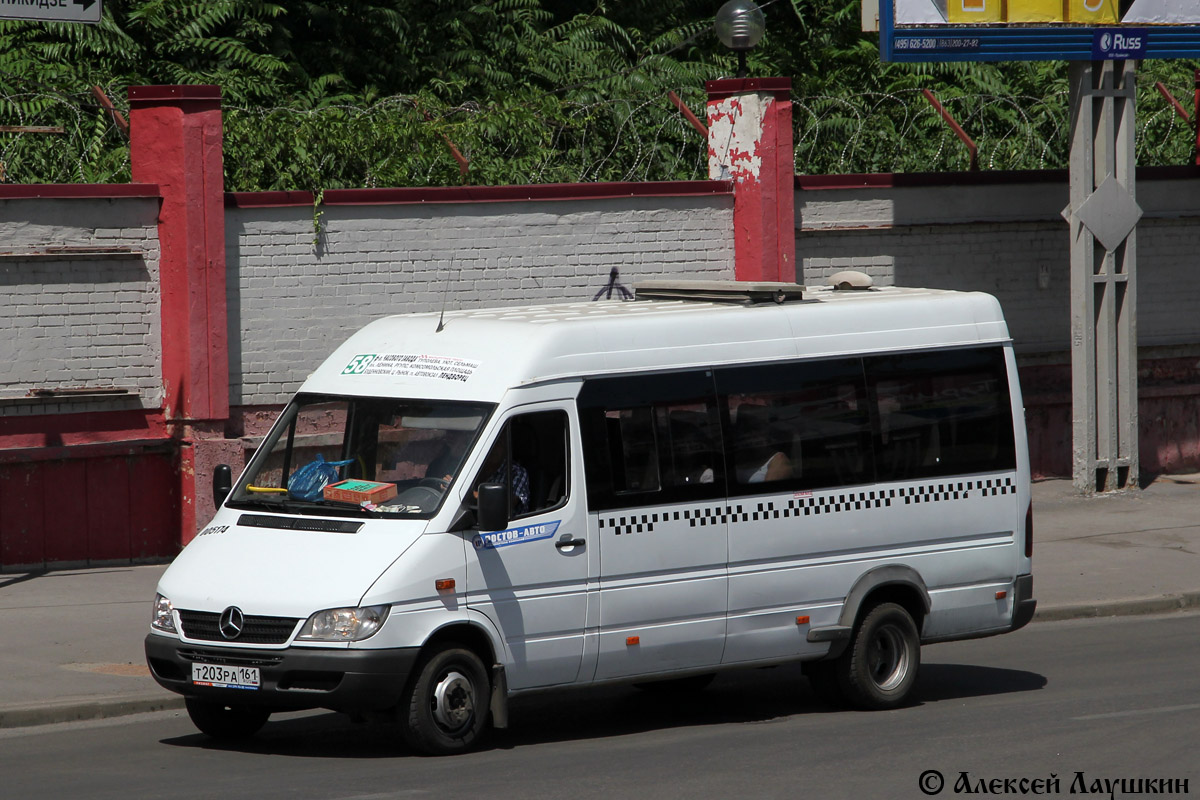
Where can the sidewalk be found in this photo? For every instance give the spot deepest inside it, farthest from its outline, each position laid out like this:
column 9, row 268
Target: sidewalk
column 71, row 641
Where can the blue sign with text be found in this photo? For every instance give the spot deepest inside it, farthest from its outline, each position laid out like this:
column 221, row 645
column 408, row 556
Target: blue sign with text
column 1119, row 44
column 1037, row 30
column 523, row 535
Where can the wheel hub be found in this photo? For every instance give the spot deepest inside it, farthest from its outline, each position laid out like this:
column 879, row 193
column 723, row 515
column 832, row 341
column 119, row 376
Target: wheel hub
column 887, row 658
column 453, row 701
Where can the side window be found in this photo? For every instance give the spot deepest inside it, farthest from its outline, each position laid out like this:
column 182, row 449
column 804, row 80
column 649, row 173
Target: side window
column 530, row 457
column 941, row 413
column 633, row 449
column 662, row 446
column 800, row 425
column 650, row 440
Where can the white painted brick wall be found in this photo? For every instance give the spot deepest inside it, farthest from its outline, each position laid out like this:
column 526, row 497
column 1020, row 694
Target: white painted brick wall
column 291, row 303
column 1001, row 259
column 916, row 237
column 79, row 321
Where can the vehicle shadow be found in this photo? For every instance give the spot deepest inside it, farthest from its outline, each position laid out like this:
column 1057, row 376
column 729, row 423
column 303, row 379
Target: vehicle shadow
column 752, row 696
column 939, row 682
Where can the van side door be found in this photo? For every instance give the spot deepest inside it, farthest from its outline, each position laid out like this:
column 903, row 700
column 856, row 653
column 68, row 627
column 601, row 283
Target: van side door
column 656, row 505
column 797, row 434
column 531, row 578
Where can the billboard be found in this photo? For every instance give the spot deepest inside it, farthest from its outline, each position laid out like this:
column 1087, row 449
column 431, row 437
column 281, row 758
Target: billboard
column 1035, row 30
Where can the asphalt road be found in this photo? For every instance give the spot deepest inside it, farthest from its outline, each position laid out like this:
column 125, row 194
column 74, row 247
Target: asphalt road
column 1111, row 699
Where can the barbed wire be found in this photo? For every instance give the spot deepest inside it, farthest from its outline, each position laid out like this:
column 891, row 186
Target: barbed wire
column 52, row 137
column 405, row 141
column 902, row 132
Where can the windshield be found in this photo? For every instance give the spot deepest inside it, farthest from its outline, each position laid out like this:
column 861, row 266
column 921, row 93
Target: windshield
column 361, row 455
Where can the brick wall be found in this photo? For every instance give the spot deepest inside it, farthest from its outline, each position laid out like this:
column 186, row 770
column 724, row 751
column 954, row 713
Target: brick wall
column 1003, row 259
column 79, row 303
column 1010, row 241
column 294, row 295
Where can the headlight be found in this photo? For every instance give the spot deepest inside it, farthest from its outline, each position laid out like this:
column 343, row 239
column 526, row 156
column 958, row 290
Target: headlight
column 344, row 624
column 162, row 619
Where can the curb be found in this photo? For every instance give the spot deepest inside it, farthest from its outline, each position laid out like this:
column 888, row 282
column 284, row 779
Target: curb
column 1120, row 608
column 53, row 712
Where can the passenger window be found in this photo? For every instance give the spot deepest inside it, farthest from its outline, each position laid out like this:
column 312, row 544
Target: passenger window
column 530, row 458
column 942, row 413
column 800, row 425
column 633, row 450
column 662, row 445
column 650, row 440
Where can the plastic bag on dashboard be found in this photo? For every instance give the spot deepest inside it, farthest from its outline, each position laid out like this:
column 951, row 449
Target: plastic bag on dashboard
column 309, row 482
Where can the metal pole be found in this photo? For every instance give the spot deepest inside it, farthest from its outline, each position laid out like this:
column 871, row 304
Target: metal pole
column 1103, row 216
column 972, row 150
column 688, row 115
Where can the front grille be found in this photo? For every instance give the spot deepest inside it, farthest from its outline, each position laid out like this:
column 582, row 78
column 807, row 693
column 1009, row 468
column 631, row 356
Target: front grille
column 230, row 657
column 205, row 626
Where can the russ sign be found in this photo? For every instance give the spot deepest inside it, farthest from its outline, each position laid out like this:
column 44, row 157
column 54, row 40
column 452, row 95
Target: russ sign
column 1037, row 30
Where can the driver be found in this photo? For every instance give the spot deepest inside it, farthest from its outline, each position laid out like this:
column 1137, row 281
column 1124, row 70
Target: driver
column 494, row 468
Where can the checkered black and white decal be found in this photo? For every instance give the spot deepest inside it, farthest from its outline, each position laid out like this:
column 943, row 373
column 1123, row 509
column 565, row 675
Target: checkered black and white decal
column 644, row 523
column 959, row 490
column 832, row 503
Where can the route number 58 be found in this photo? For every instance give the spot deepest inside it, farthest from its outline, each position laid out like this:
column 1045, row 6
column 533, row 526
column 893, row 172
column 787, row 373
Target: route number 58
column 358, row 365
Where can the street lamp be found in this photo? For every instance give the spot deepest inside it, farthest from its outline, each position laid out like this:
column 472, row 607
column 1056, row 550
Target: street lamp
column 740, row 26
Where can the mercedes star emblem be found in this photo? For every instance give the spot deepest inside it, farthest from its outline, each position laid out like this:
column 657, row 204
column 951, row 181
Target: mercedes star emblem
column 232, row 622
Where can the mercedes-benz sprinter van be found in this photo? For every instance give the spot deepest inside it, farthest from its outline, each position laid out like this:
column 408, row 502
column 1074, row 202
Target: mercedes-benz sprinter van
column 455, row 511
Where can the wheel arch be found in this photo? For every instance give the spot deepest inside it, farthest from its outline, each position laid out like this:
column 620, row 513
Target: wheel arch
column 894, row 583
column 471, row 634
column 891, row 583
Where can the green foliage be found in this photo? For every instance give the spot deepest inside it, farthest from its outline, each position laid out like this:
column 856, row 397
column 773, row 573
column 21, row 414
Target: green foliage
column 350, row 93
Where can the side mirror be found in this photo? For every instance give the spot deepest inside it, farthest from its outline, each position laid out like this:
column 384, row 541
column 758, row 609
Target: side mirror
column 222, row 483
column 493, row 507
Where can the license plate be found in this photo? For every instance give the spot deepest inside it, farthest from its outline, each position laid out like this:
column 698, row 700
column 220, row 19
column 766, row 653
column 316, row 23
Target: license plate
column 220, row 676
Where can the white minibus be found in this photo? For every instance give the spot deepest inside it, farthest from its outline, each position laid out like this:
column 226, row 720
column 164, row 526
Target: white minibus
column 456, row 510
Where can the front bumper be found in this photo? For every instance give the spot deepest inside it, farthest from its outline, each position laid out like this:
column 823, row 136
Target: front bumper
column 291, row 679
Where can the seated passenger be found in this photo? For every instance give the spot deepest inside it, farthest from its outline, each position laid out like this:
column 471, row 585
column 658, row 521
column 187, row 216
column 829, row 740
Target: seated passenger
column 776, row 468
column 760, row 457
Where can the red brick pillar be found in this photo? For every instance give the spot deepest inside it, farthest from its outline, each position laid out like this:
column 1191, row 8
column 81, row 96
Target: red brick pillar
column 175, row 142
column 750, row 143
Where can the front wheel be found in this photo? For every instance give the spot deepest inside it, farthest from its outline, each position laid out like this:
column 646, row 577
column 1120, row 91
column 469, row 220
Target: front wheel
column 448, row 702
column 879, row 668
column 221, row 721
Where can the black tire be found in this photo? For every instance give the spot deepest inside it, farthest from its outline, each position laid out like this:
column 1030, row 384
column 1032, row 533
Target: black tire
column 226, row 722
column 823, row 678
column 673, row 686
column 448, row 701
column 879, row 668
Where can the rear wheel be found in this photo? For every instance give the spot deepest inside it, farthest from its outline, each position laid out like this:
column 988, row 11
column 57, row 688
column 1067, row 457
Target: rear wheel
column 879, row 668
column 448, row 702
column 222, row 721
